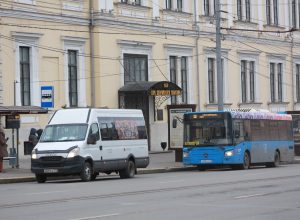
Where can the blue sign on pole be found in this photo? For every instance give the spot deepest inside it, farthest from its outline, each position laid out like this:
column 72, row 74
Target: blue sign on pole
column 47, row 97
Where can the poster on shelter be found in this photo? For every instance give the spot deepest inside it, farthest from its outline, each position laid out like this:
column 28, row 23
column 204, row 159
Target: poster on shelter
column 176, row 132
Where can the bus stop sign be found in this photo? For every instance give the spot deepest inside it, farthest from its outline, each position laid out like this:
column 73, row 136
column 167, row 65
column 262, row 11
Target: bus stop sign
column 47, row 97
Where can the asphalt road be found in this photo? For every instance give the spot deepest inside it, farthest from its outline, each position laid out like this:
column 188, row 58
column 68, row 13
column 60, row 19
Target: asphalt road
column 259, row 193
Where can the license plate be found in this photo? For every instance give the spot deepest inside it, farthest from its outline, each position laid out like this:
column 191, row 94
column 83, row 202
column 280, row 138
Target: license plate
column 206, row 161
column 50, row 170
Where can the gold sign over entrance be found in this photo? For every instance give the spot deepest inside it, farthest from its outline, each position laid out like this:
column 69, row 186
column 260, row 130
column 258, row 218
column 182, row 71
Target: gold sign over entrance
column 164, row 92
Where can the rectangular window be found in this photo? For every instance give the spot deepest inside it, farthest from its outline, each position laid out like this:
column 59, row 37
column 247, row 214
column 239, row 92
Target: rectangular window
column 244, row 80
column 124, row 1
column 179, row 5
column 275, row 12
column 206, row 8
column 184, row 79
column 169, row 4
column 272, row 81
column 294, row 17
column 268, row 12
column 211, row 79
column 173, row 74
column 73, row 77
column 122, row 128
column 137, row 2
column 279, row 78
column 25, row 75
column 298, row 82
column 239, row 10
column 248, row 10
column 135, row 68
column 252, row 81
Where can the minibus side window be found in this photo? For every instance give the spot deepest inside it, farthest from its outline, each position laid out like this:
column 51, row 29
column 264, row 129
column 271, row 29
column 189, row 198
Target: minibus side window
column 104, row 132
column 94, row 130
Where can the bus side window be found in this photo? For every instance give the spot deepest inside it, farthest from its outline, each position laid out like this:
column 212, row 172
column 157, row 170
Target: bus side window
column 238, row 131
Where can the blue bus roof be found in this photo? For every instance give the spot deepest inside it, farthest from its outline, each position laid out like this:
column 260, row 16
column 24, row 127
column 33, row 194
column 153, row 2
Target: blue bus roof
column 249, row 115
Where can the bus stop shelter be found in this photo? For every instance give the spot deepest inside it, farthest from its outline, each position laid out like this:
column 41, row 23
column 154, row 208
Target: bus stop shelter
column 12, row 121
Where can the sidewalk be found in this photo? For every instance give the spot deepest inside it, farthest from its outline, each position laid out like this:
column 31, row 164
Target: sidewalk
column 160, row 162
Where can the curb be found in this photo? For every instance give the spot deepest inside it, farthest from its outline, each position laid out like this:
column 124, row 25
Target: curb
column 139, row 172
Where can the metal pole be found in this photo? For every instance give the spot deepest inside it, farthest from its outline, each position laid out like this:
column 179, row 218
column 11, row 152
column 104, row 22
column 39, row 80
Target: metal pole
column 218, row 56
column 17, row 165
column 91, row 28
column 197, row 54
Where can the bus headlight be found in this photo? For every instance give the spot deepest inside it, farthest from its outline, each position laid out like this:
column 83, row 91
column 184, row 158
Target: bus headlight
column 185, row 154
column 74, row 152
column 229, row 153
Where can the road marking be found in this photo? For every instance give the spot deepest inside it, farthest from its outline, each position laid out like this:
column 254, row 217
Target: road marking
column 249, row 196
column 172, row 181
column 37, row 193
column 95, row 217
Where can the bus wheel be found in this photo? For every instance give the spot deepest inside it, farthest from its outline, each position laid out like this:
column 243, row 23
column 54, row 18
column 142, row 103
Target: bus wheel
column 40, row 178
column 129, row 171
column 276, row 160
column 86, row 173
column 246, row 163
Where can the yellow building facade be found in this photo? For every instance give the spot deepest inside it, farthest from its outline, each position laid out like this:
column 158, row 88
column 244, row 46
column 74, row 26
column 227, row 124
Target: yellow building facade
column 98, row 53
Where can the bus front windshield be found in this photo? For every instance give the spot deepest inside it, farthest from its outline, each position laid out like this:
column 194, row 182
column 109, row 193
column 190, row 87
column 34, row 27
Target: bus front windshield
column 64, row 132
column 207, row 132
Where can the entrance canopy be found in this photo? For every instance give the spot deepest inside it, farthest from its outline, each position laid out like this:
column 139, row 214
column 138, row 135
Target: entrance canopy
column 14, row 110
column 161, row 88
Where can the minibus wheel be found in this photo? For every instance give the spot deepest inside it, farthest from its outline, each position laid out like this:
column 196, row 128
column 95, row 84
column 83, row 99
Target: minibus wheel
column 129, row 171
column 40, row 178
column 86, row 173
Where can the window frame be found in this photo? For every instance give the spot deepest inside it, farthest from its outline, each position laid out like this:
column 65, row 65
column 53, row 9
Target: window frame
column 73, row 78
column 25, row 81
column 130, row 60
column 211, row 79
column 173, row 75
column 184, row 78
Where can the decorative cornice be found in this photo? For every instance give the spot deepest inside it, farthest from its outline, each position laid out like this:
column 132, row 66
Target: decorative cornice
column 19, row 14
column 135, row 43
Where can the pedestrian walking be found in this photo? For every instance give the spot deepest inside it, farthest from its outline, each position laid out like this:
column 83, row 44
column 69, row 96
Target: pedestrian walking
column 33, row 138
column 3, row 148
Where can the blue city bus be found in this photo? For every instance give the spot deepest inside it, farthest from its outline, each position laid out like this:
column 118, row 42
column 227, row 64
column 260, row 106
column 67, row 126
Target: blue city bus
column 237, row 139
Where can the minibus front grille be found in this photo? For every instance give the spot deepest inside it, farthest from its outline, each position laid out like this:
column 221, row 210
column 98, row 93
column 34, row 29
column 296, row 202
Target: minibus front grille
column 52, row 158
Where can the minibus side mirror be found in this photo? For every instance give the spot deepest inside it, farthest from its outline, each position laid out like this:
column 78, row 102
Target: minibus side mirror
column 174, row 123
column 91, row 139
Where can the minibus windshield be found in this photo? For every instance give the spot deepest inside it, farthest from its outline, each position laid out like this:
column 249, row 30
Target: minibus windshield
column 64, row 132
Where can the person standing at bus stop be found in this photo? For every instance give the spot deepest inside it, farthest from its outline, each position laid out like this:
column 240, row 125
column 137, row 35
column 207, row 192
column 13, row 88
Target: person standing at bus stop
column 3, row 148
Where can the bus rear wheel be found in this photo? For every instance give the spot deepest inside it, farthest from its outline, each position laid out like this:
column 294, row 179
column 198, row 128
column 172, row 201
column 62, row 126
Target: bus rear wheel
column 276, row 161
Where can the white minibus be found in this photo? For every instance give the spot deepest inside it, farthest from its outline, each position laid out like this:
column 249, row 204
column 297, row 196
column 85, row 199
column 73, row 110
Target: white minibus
column 87, row 141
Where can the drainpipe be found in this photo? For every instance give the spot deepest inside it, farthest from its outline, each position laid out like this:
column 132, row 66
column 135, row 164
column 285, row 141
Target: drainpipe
column 197, row 54
column 92, row 61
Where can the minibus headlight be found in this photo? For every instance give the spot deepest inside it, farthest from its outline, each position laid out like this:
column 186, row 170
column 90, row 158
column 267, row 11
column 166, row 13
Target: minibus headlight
column 185, row 154
column 74, row 152
column 229, row 153
column 34, row 154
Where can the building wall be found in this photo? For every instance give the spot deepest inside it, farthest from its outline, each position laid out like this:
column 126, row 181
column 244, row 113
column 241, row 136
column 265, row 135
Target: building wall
column 50, row 29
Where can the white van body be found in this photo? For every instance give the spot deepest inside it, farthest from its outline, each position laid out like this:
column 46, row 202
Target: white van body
column 87, row 141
